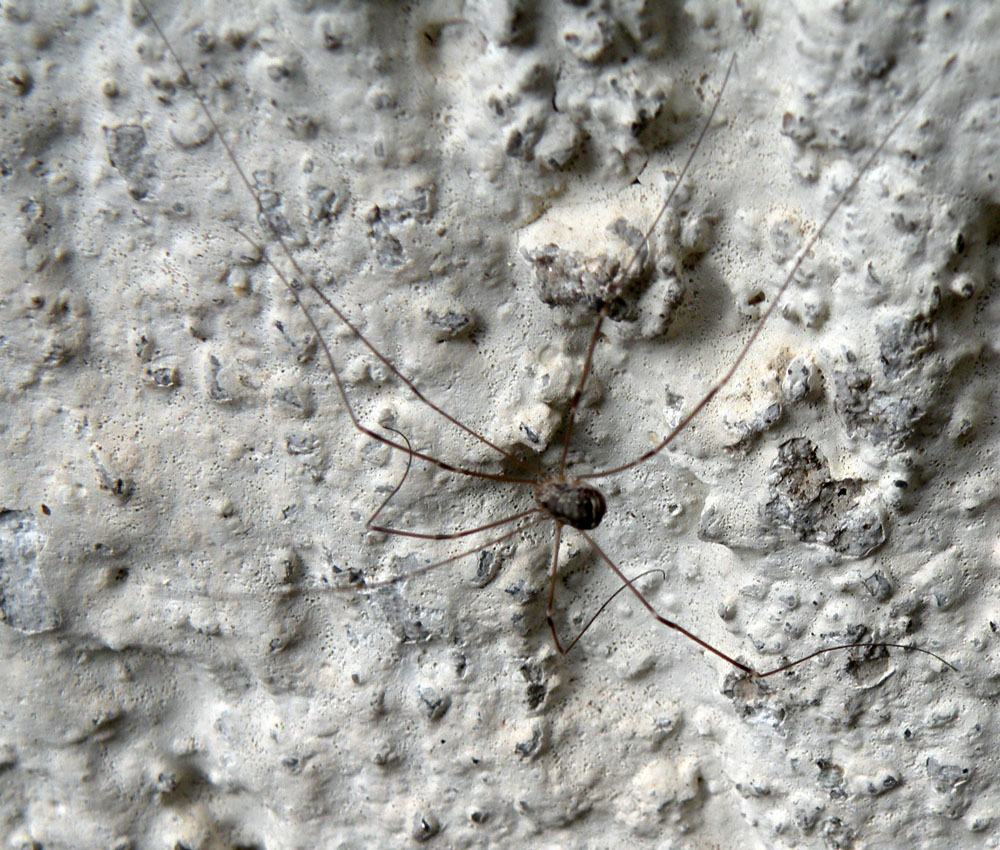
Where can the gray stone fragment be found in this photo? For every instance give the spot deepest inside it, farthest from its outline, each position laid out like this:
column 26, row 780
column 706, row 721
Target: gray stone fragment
column 761, row 421
column 883, row 418
column 803, row 498
column 433, row 703
column 800, row 379
column 953, row 782
column 425, row 826
column 24, row 604
column 536, row 689
column 838, row 835
column 571, row 279
column 404, row 619
column 532, row 746
column 878, row 586
column 126, row 143
column 903, row 341
column 449, row 320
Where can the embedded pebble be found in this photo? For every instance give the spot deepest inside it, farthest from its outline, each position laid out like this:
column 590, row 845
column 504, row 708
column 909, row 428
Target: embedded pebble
column 805, row 499
column 536, row 689
column 425, row 826
column 448, row 319
column 24, row 602
column 800, row 380
column 191, row 130
column 878, row 586
column 111, row 482
column 882, row 417
column 567, row 278
column 530, row 746
column 433, row 703
column 126, row 145
column 613, row 269
column 536, row 426
column 903, row 342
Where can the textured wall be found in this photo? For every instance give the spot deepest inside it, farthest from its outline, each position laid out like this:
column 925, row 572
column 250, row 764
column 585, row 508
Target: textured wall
column 188, row 661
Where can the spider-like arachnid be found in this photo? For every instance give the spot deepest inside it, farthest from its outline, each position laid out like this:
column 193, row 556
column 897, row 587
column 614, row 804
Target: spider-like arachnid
column 566, row 495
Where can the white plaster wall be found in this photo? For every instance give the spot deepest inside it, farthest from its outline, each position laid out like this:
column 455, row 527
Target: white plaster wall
column 184, row 661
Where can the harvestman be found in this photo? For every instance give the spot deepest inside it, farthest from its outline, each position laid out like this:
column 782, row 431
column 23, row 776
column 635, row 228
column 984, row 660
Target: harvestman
column 564, row 500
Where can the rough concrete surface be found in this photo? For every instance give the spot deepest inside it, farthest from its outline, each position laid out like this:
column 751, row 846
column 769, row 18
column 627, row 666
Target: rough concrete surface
column 194, row 652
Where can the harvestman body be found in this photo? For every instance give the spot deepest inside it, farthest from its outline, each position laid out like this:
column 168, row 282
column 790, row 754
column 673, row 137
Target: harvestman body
column 567, row 501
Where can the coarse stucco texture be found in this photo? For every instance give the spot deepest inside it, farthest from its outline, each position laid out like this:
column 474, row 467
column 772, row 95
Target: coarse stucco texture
column 195, row 654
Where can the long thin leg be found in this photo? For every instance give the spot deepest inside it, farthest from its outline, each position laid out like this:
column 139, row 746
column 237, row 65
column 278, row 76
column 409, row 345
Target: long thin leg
column 263, row 215
column 370, row 523
column 659, row 617
column 550, row 606
column 638, row 594
column 453, row 558
column 606, row 603
column 780, row 293
column 350, row 408
column 628, row 584
column 589, row 359
column 843, row 646
column 454, row 535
